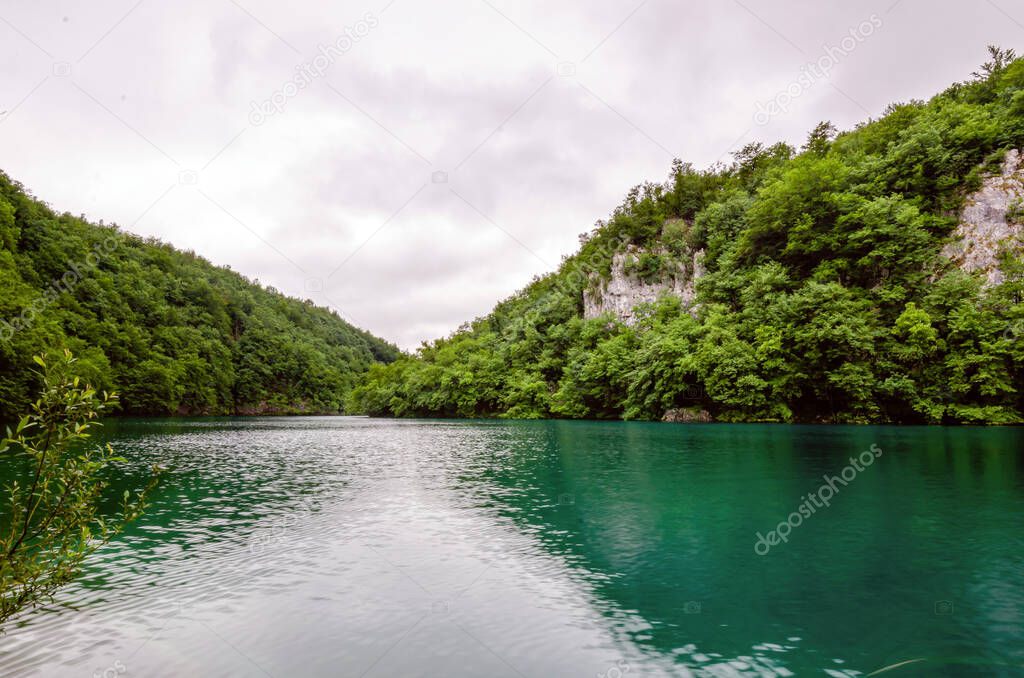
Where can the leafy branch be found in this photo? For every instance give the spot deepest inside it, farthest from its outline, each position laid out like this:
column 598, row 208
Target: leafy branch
column 52, row 520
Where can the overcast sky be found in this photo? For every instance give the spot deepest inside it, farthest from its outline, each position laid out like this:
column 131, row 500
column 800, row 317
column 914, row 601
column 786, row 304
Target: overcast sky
column 441, row 153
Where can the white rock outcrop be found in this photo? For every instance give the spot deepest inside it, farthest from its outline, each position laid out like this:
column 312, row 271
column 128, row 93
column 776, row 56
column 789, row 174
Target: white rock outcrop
column 622, row 292
column 992, row 220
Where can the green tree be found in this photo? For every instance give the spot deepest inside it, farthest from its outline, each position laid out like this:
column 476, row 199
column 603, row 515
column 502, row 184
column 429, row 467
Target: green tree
column 820, row 138
column 52, row 519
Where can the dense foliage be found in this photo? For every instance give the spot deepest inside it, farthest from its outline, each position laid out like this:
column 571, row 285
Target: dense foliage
column 825, row 297
column 52, row 518
column 168, row 330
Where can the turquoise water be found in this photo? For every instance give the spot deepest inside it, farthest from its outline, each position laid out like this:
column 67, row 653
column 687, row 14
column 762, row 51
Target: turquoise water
column 358, row 547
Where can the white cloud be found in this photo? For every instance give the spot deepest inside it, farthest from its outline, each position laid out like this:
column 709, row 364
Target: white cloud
column 468, row 87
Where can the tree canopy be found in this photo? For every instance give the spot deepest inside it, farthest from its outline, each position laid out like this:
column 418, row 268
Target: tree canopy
column 824, row 296
column 169, row 331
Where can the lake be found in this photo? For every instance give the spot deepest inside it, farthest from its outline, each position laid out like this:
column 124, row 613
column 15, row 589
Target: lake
column 347, row 546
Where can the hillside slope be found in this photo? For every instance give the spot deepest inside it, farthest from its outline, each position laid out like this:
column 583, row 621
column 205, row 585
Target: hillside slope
column 169, row 331
column 875, row 276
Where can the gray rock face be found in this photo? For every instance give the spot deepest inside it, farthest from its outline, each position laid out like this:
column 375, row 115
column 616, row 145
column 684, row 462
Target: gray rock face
column 688, row 416
column 991, row 222
column 622, row 292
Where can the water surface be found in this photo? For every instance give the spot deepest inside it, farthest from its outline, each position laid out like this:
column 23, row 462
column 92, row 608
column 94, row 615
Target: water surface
column 357, row 547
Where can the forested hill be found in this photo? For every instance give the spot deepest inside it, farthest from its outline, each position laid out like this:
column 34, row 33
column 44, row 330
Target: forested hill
column 170, row 332
column 873, row 276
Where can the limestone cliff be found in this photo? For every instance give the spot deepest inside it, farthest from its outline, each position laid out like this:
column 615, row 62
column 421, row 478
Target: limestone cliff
column 624, row 289
column 992, row 221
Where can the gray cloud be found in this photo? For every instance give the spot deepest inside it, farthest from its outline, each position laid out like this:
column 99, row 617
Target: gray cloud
column 109, row 112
